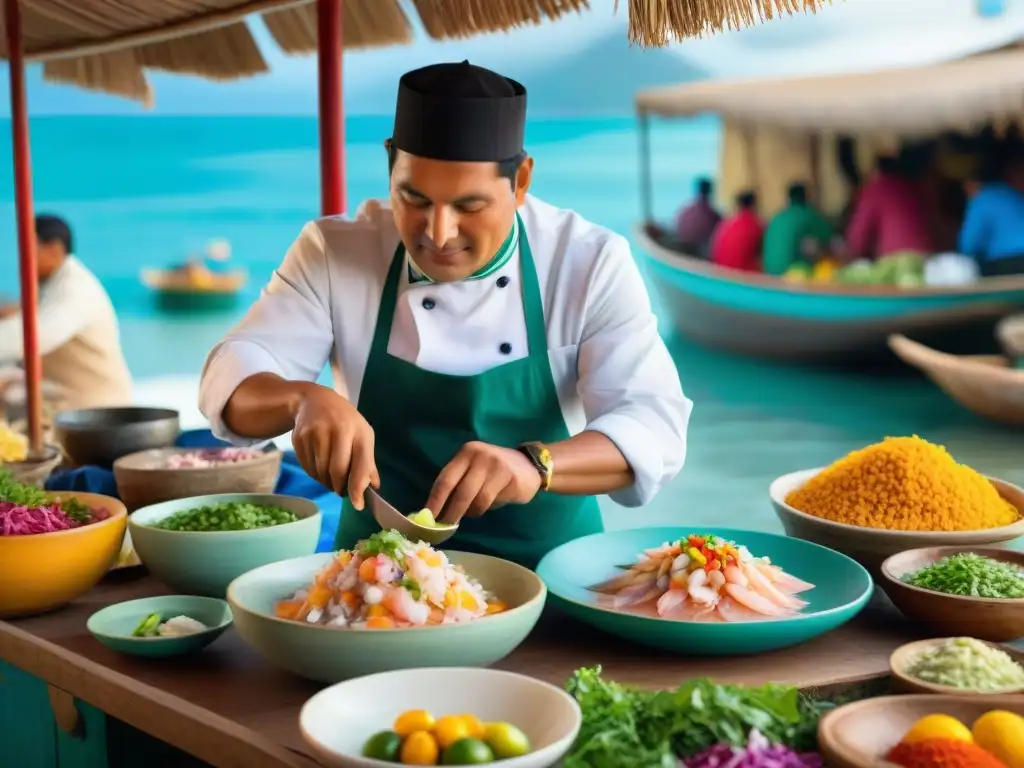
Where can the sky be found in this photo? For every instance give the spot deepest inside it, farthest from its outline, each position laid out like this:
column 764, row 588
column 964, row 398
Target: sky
column 552, row 59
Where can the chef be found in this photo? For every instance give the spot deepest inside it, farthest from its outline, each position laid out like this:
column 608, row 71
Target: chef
column 495, row 358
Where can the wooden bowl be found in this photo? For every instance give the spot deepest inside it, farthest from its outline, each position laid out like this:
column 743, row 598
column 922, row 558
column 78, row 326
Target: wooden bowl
column 871, row 546
column 143, row 479
column 904, row 656
column 992, row 619
column 985, row 385
column 859, row 735
column 35, row 472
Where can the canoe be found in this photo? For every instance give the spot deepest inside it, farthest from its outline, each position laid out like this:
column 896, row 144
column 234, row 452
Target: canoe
column 179, row 291
column 762, row 316
column 983, row 384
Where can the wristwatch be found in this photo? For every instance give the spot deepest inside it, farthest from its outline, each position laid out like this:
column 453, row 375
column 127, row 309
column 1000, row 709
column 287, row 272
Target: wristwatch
column 541, row 458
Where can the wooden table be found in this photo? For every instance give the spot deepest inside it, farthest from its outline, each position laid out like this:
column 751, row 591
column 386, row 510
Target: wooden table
column 228, row 707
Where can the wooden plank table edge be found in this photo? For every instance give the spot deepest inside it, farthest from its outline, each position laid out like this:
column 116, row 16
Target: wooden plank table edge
column 154, row 711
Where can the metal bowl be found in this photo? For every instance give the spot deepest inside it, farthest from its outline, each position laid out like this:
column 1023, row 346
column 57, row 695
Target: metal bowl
column 100, row 436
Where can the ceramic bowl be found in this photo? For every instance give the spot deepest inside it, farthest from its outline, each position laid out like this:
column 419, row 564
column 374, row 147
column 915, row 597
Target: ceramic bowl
column 338, row 720
column 904, row 657
column 113, row 625
column 329, row 655
column 100, row 436
column 36, row 472
column 205, row 563
column 45, row 571
column 842, row 588
column 989, row 619
column 143, row 478
column 859, row 735
column 870, row 546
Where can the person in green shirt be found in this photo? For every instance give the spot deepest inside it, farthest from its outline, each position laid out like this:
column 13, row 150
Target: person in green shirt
column 799, row 232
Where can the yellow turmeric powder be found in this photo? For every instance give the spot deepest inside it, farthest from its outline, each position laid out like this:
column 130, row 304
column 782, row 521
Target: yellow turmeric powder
column 904, row 484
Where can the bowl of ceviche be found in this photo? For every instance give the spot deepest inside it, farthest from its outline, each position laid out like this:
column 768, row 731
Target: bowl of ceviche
column 54, row 547
column 164, row 474
column 715, row 592
column 196, row 546
column 387, row 604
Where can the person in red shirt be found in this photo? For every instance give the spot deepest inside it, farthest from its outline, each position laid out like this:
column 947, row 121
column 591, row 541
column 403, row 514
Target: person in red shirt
column 737, row 240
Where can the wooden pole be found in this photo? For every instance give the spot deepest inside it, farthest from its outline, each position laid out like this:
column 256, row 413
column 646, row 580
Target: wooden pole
column 25, row 215
column 332, row 116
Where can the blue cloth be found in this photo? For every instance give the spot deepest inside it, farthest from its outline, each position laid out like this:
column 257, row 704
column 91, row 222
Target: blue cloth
column 993, row 226
column 293, row 481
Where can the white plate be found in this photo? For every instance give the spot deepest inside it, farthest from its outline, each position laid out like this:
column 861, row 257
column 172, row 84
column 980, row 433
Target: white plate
column 338, row 720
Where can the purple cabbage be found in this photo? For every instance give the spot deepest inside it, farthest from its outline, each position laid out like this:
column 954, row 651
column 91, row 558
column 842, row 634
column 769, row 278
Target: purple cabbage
column 759, row 753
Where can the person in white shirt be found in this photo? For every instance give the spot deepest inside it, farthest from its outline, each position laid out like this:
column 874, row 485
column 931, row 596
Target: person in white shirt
column 495, row 358
column 79, row 339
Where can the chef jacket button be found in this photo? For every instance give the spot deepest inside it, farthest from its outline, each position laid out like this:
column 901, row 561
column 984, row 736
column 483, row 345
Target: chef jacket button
column 429, row 303
column 505, row 348
column 502, row 281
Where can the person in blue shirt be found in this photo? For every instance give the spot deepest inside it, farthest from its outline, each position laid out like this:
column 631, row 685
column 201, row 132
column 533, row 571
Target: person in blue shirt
column 993, row 228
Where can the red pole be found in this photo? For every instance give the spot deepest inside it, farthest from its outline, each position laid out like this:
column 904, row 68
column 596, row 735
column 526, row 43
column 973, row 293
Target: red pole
column 332, row 117
column 26, row 228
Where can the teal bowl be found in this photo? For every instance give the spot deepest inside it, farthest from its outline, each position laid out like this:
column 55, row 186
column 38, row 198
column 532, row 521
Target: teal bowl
column 113, row 625
column 205, row 563
column 330, row 655
column 842, row 588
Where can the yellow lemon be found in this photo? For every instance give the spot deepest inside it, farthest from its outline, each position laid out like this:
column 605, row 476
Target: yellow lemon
column 413, row 720
column 419, row 748
column 476, row 728
column 1002, row 734
column 937, row 727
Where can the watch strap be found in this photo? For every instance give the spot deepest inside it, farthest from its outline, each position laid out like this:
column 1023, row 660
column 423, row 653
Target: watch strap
column 541, row 458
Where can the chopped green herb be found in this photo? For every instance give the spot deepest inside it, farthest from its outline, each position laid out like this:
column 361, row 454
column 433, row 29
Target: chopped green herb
column 624, row 727
column 388, row 543
column 409, row 583
column 30, row 496
column 970, row 575
column 228, row 516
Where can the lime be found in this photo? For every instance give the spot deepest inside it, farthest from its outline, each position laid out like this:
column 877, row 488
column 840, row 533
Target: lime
column 383, row 746
column 506, row 741
column 467, row 752
column 424, row 518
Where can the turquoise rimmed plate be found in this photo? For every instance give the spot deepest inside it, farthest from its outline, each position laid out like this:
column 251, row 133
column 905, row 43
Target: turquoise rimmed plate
column 842, row 588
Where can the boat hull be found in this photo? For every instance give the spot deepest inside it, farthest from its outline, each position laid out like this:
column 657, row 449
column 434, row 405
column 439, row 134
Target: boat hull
column 758, row 316
column 194, row 302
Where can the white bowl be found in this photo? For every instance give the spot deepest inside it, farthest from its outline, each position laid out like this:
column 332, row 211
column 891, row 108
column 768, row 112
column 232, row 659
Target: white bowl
column 338, row 720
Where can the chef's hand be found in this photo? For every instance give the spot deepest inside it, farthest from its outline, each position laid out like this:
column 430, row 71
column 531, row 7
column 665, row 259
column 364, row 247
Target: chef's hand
column 482, row 477
column 334, row 444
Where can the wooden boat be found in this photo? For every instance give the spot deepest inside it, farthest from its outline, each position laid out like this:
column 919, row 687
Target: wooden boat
column 184, row 290
column 778, row 131
column 763, row 316
column 984, row 384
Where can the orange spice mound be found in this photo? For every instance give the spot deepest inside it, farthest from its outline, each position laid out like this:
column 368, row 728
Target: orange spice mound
column 904, row 484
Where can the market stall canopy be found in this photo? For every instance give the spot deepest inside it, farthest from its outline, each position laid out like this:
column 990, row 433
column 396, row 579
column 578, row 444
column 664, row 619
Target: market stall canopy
column 108, row 46
column 960, row 94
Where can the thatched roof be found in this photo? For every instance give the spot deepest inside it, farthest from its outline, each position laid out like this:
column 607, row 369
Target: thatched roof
column 108, row 45
column 963, row 94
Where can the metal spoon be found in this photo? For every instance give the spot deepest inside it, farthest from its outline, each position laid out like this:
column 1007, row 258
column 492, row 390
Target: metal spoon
column 389, row 518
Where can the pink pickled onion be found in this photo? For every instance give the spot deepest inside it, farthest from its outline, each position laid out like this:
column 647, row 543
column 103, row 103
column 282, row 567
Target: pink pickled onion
column 19, row 520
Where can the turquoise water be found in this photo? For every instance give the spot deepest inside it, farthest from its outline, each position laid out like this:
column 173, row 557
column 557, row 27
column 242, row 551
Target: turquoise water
column 146, row 191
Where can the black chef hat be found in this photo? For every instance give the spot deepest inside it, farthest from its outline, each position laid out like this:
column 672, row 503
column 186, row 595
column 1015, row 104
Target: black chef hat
column 459, row 112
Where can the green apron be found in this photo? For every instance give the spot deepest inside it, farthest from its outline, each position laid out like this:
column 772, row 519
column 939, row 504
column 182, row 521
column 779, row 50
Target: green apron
column 421, row 419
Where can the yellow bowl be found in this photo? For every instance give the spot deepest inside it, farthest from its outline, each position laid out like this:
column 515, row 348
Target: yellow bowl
column 48, row 570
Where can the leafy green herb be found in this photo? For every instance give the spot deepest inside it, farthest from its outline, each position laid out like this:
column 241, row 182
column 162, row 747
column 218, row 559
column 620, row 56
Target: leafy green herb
column 30, row 496
column 624, row 727
column 388, row 543
column 970, row 575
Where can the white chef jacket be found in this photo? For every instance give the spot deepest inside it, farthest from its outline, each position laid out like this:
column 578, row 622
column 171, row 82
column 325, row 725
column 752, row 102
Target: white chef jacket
column 610, row 366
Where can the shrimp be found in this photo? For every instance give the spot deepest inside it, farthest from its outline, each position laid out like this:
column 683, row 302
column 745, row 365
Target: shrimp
column 786, row 581
column 734, row 575
column 759, row 583
column 754, row 601
column 731, row 611
column 405, row 608
column 627, row 580
column 672, row 600
column 700, row 591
